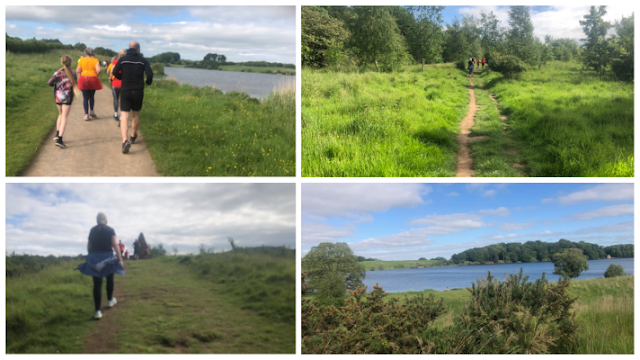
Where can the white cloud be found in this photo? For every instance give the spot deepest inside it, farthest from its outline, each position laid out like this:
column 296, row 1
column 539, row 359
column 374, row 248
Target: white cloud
column 532, row 236
column 406, row 238
column 452, row 194
column 489, row 193
column 605, row 192
column 501, row 211
column 621, row 227
column 353, row 200
column 615, row 210
column 58, row 217
column 517, row 226
column 315, row 233
column 446, row 224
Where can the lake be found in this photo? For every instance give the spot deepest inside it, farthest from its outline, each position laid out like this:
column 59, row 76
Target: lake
column 437, row 278
column 254, row 84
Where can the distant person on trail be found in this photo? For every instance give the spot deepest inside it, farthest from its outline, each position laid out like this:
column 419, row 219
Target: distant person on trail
column 89, row 68
column 101, row 262
column 64, row 83
column 131, row 69
column 116, row 85
column 121, row 247
column 478, row 64
column 126, row 254
column 136, row 249
column 470, row 67
column 483, row 62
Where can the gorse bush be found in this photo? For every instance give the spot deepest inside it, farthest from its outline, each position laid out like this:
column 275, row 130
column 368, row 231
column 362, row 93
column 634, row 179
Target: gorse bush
column 614, row 270
column 508, row 65
column 516, row 317
column 513, row 316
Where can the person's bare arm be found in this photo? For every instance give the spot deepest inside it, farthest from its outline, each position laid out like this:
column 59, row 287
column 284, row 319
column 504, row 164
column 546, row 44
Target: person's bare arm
column 79, row 69
column 114, row 245
column 98, row 68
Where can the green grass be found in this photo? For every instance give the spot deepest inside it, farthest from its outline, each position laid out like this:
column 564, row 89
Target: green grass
column 496, row 155
column 194, row 131
column 398, row 264
column 382, row 124
column 211, row 303
column 604, row 313
column 31, row 112
column 566, row 122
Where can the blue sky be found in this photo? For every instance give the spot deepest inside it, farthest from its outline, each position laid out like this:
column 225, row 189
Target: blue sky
column 409, row 221
column 248, row 33
column 55, row 219
column 561, row 21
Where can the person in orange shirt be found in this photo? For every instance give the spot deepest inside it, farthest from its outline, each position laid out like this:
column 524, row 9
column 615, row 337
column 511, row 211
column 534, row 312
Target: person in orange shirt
column 484, row 61
column 116, row 84
column 89, row 68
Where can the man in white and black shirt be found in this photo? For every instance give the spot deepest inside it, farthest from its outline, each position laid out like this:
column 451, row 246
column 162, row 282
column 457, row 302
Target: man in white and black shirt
column 131, row 69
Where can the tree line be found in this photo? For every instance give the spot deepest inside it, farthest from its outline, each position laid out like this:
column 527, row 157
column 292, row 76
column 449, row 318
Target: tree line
column 388, row 36
column 537, row 251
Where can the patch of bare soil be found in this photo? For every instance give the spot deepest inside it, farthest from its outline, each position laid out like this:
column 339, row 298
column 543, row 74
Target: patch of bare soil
column 464, row 161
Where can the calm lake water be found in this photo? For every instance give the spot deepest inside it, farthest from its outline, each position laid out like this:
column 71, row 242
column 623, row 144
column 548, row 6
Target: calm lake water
column 254, row 84
column 438, row 278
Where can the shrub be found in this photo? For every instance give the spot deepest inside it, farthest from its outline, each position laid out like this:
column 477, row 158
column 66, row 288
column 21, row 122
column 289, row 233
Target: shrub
column 158, row 69
column 614, row 270
column 508, row 65
column 157, row 251
column 516, row 316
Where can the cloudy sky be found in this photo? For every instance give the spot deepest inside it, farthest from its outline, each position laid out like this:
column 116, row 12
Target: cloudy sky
column 409, row 221
column 244, row 33
column 55, row 219
column 558, row 21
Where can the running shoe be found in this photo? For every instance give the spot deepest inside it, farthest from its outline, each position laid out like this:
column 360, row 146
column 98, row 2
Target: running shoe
column 55, row 138
column 86, row 118
column 112, row 302
column 133, row 139
column 93, row 114
column 118, row 122
column 97, row 315
column 60, row 143
column 125, row 146
column 115, row 117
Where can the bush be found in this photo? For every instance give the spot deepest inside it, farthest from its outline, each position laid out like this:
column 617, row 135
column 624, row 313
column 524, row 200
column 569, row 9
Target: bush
column 516, row 316
column 508, row 65
column 158, row 69
column 614, row 270
column 157, row 251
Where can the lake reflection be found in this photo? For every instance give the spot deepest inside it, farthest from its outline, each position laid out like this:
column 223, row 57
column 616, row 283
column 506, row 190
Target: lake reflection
column 437, row 278
column 254, row 84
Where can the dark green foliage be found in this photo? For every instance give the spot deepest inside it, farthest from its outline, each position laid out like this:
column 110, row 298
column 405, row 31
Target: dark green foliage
column 597, row 48
column 80, row 46
column 18, row 265
column 166, row 57
column 508, row 65
column 330, row 258
column 516, row 317
column 614, row 270
column 368, row 324
column 106, row 52
column 520, row 39
column 623, row 44
column 570, row 263
column 619, row 251
column 157, row 69
column 322, row 37
column 15, row 44
column 157, row 250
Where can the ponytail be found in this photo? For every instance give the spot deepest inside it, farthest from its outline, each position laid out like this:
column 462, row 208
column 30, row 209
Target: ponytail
column 66, row 62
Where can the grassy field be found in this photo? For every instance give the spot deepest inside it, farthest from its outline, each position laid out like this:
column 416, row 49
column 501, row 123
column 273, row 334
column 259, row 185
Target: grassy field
column 31, row 111
column 210, row 303
column 377, row 124
column 604, row 312
column 564, row 122
column 189, row 131
column 194, row 131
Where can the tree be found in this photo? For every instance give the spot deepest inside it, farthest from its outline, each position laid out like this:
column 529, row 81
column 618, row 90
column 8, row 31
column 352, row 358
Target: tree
column 614, row 270
column 520, row 39
column 422, row 258
column 597, row 49
column 322, row 37
column 376, row 38
column 622, row 62
column 80, row 46
column 327, row 261
column 427, row 38
column 570, row 263
column 491, row 34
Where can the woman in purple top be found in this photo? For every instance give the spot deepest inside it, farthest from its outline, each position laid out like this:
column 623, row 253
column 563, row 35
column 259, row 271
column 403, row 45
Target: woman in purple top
column 64, row 82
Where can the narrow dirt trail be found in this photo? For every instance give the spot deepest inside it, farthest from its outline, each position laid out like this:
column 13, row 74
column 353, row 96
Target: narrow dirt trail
column 94, row 148
column 464, row 161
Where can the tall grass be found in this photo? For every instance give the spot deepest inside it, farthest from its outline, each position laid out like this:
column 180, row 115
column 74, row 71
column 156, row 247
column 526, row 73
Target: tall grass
column 567, row 122
column 194, row 131
column 31, row 111
column 382, row 124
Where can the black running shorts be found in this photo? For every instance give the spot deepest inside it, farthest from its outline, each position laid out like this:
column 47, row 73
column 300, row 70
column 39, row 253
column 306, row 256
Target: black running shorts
column 131, row 100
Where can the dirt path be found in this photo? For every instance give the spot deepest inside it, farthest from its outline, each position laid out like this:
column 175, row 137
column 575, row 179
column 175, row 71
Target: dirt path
column 94, row 148
column 464, row 160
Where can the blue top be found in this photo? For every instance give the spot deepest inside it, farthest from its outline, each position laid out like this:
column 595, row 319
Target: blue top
column 101, row 264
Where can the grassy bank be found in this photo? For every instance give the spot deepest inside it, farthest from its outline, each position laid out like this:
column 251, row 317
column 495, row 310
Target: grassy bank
column 399, row 264
column 211, row 303
column 194, row 131
column 253, row 69
column 565, row 121
column 31, row 112
column 382, row 124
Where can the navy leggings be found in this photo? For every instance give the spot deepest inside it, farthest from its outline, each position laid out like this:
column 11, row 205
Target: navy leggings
column 97, row 289
column 88, row 100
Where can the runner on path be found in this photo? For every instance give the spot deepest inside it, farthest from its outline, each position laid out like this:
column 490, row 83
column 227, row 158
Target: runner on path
column 64, row 83
column 115, row 85
column 101, row 262
column 470, row 67
column 131, row 69
column 483, row 62
column 89, row 68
